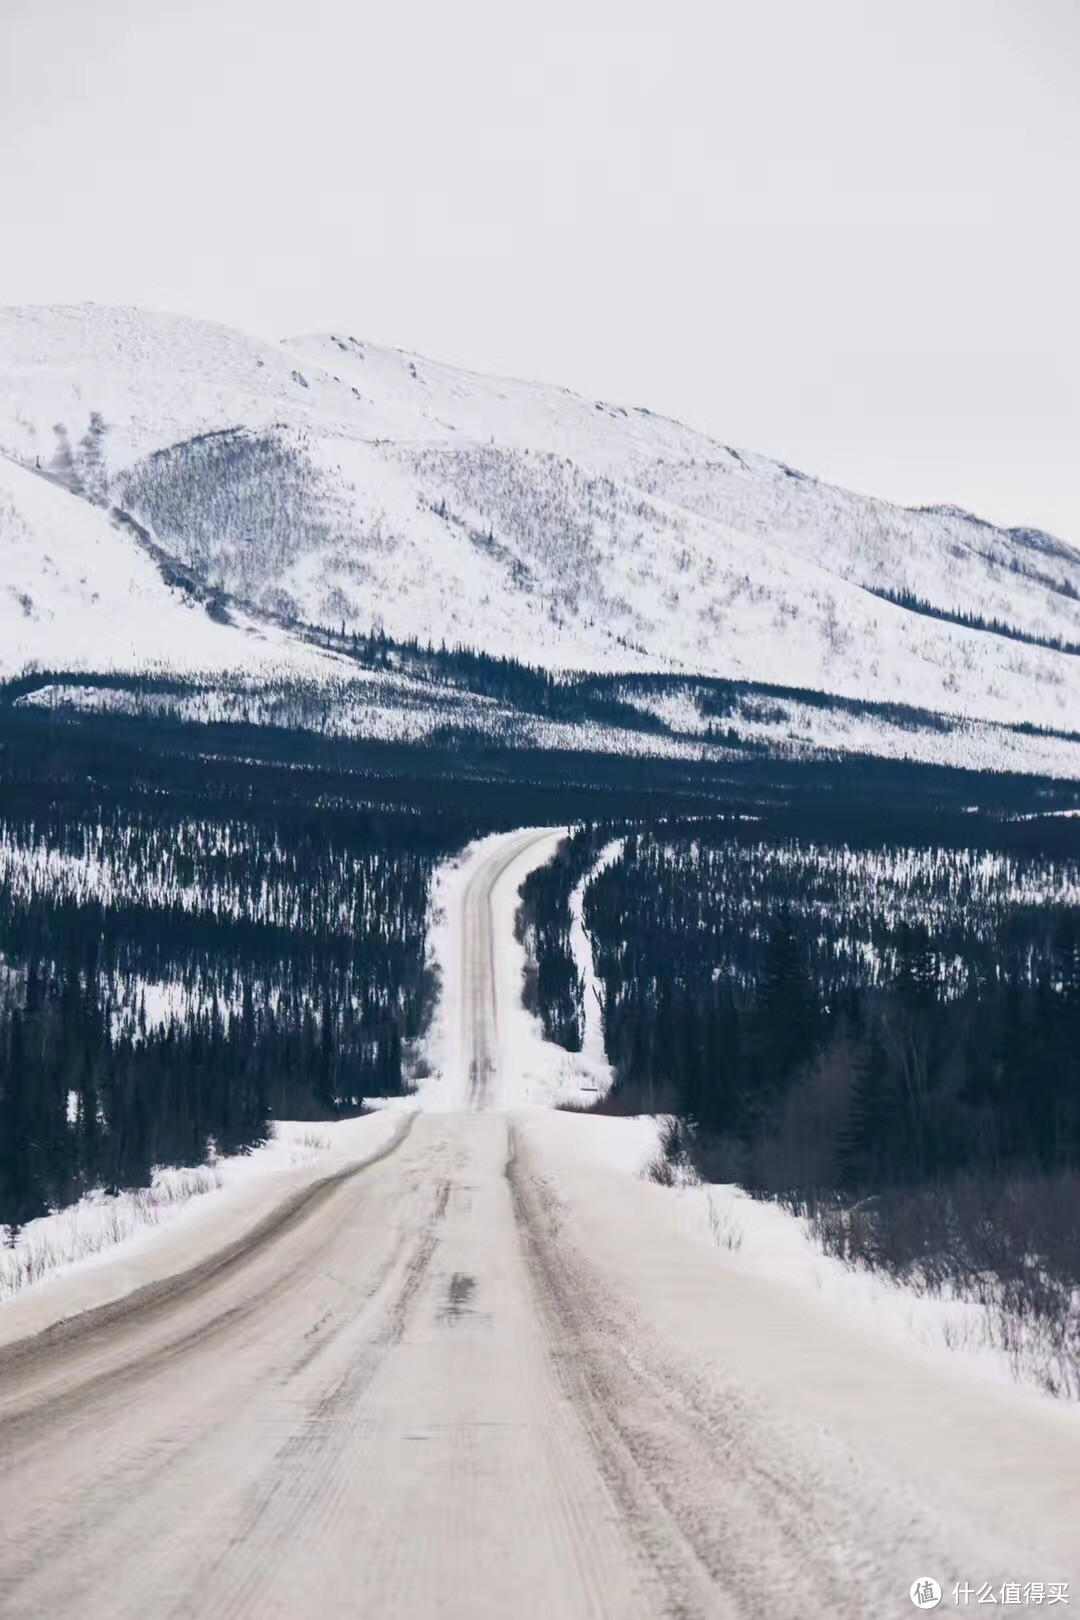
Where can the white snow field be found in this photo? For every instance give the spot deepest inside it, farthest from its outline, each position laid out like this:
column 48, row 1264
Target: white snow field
column 332, row 482
column 77, row 591
column 492, row 1372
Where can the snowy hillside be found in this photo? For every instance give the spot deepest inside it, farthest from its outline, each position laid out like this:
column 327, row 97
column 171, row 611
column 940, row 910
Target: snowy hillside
column 329, row 482
column 79, row 591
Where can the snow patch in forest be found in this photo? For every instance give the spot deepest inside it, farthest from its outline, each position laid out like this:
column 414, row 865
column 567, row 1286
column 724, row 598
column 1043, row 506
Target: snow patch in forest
column 593, row 1054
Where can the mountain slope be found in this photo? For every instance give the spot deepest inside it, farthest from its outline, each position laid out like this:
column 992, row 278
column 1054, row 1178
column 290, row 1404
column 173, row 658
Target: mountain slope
column 79, row 591
column 331, row 482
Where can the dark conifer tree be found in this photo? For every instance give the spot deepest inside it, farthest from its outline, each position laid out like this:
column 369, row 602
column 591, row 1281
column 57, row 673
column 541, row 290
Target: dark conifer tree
column 870, row 1133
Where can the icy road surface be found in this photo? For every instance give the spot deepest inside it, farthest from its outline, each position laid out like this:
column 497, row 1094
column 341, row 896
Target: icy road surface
column 479, row 1377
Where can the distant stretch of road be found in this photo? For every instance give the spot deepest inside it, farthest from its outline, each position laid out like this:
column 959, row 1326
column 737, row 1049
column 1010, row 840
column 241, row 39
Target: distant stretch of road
column 478, row 1017
column 483, row 1377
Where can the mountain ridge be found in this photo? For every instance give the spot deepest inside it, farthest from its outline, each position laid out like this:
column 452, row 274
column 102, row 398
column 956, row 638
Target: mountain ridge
column 328, row 481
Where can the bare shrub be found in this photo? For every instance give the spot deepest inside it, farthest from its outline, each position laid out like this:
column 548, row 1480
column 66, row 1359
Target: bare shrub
column 1012, row 1245
column 726, row 1230
column 315, row 1141
column 719, row 1159
column 626, row 1100
column 803, row 1150
column 95, row 1223
column 661, row 1170
column 530, row 987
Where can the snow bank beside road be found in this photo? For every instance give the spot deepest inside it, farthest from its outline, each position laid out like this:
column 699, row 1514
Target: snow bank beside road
column 105, row 1246
column 756, row 1238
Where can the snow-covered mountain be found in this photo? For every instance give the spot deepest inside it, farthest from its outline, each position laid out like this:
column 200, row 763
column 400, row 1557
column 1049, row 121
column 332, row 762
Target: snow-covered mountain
column 155, row 468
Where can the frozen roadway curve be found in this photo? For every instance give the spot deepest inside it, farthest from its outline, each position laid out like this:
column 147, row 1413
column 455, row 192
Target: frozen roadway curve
column 479, row 1377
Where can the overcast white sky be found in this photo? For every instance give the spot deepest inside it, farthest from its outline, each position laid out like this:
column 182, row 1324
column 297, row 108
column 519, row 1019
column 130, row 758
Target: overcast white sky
column 843, row 231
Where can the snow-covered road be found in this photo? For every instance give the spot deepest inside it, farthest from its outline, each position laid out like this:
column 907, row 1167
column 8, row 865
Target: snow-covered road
column 486, row 1376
